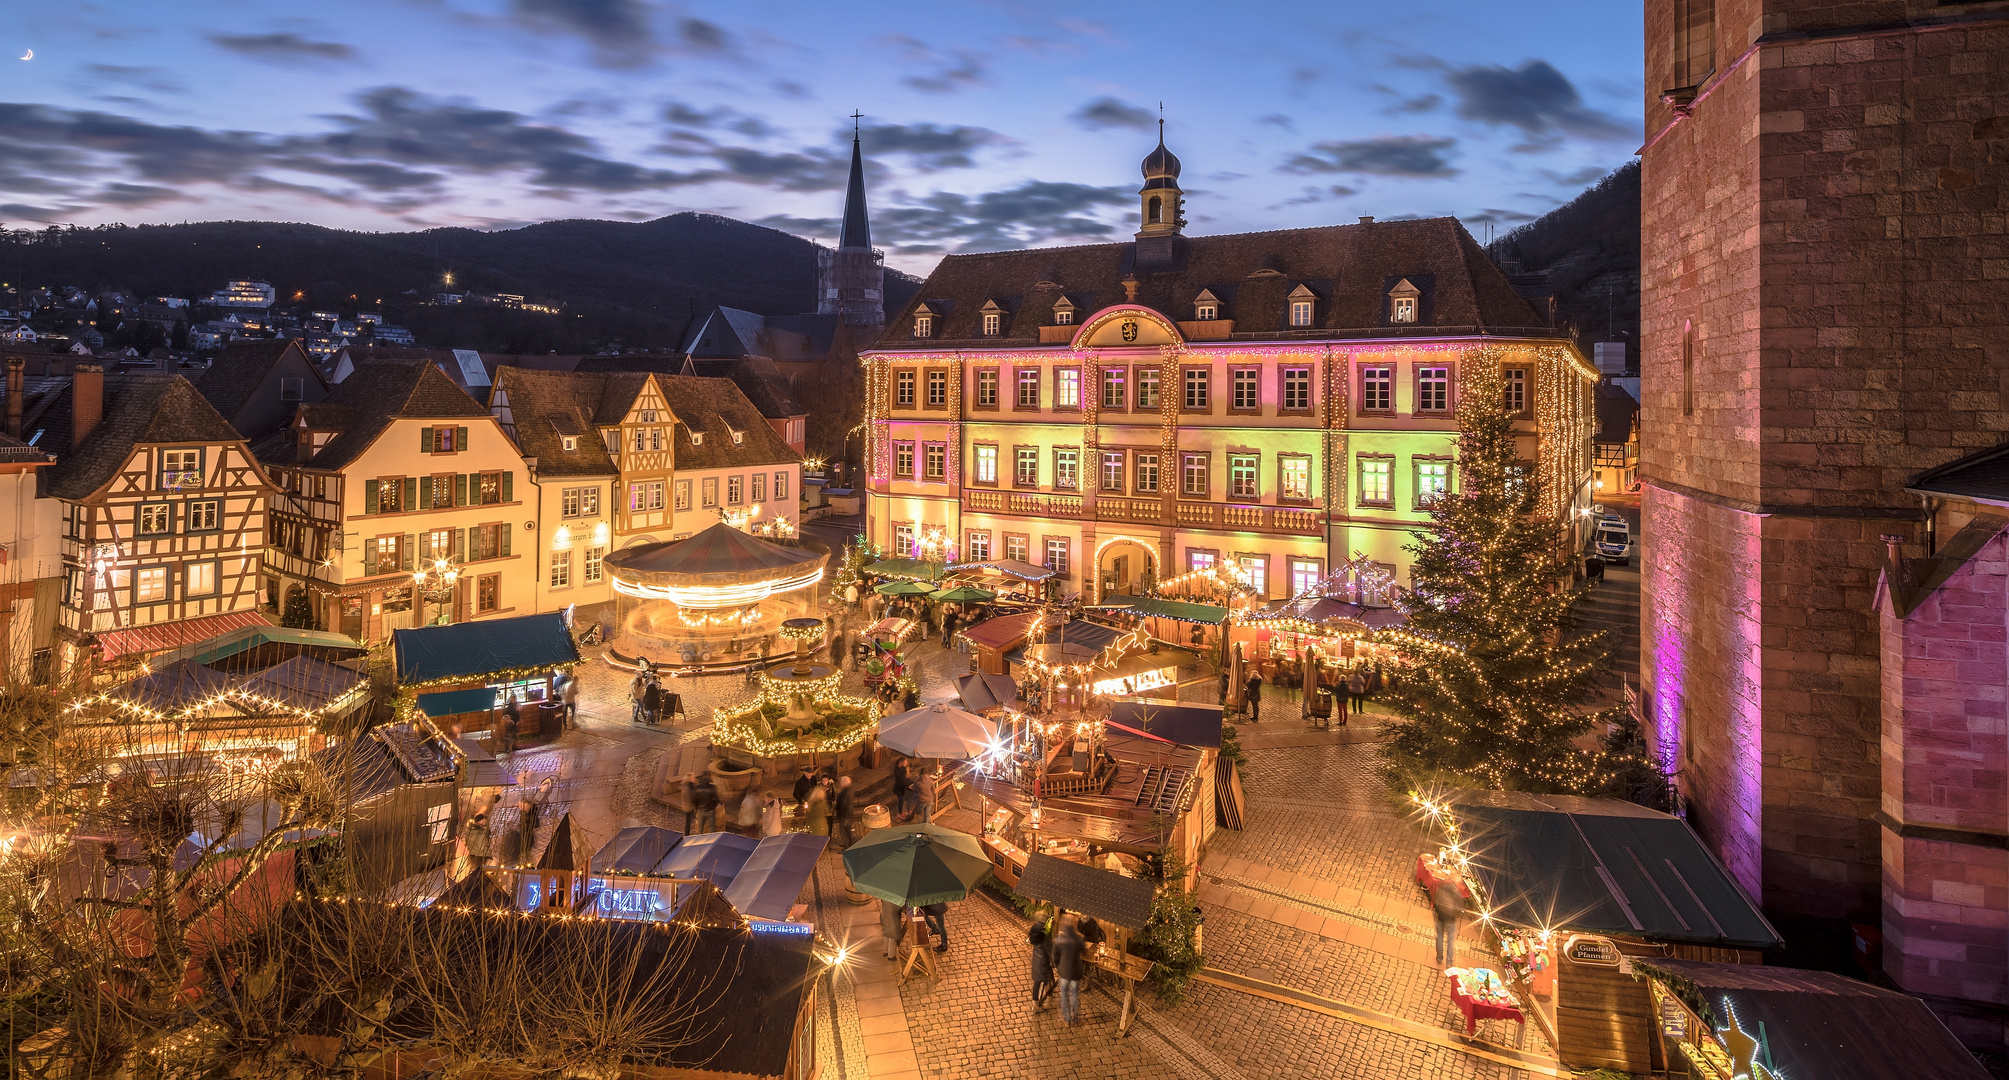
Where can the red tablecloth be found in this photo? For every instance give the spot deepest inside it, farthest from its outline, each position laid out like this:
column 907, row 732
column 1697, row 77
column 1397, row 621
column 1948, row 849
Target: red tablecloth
column 1425, row 878
column 1476, row 1011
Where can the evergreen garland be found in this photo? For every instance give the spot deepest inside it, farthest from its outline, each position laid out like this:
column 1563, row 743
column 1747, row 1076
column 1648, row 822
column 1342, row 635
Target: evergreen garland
column 1492, row 679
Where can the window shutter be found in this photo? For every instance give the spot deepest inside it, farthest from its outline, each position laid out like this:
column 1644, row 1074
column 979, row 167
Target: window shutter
column 411, row 493
column 459, row 544
column 460, row 490
column 406, row 551
column 425, row 440
column 369, row 496
column 507, row 478
column 502, row 530
column 460, row 440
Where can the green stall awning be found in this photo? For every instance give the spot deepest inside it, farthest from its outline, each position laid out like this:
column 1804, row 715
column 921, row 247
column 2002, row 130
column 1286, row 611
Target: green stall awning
column 1151, row 607
column 455, row 702
column 483, row 650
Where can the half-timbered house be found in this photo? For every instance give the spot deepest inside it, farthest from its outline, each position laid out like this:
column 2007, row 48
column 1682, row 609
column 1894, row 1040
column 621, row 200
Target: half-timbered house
column 162, row 516
column 397, row 474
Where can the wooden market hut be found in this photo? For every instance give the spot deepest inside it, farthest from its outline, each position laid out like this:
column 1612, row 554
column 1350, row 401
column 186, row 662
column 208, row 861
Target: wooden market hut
column 401, row 785
column 1119, row 904
column 1609, row 882
column 462, row 671
column 1724, row 1021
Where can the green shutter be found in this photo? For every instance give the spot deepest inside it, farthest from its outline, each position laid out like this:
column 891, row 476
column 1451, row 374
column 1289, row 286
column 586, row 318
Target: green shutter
column 409, row 550
column 460, row 490
column 460, row 440
column 425, row 440
column 411, row 493
column 506, row 479
column 503, row 531
column 459, row 548
column 369, row 496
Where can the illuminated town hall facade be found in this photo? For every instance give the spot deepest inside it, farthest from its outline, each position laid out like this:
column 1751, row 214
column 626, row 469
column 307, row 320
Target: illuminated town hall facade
column 1279, row 403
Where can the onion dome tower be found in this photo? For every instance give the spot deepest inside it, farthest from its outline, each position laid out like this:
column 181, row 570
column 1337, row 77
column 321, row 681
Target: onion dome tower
column 1162, row 211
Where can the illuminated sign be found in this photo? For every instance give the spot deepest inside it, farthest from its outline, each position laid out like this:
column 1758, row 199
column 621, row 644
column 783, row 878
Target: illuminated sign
column 1591, row 951
column 1131, row 684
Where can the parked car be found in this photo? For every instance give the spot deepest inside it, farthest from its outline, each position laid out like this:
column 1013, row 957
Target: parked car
column 1612, row 541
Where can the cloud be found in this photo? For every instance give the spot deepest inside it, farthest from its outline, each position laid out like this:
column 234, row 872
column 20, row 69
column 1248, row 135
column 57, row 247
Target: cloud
column 930, row 147
column 1034, row 211
column 682, row 115
column 1320, row 194
column 1535, row 97
column 701, row 35
column 287, row 47
column 1419, row 156
column 618, row 29
column 158, row 80
column 1278, row 120
column 1423, row 104
column 1578, row 178
column 951, row 71
column 1490, row 216
column 1107, row 112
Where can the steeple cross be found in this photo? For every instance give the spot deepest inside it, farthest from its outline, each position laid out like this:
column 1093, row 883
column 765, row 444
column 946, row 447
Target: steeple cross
column 855, row 117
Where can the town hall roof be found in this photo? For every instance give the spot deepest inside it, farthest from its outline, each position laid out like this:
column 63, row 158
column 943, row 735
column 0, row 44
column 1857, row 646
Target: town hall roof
column 1349, row 269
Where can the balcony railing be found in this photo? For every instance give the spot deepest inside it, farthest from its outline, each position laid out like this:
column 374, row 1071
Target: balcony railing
column 1023, row 503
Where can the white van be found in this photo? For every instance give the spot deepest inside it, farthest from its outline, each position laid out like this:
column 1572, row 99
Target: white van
column 1612, row 541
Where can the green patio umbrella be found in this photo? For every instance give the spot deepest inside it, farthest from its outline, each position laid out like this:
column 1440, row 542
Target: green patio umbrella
column 918, row 864
column 905, row 588
column 963, row 594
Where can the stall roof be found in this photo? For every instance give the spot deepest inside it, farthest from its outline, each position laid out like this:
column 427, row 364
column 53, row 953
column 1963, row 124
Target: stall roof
column 304, row 683
column 1100, row 894
column 982, row 690
column 474, row 650
column 1174, row 721
column 907, row 569
column 717, row 857
column 324, row 644
column 1017, row 568
column 1813, row 1023
column 1183, row 611
column 1604, row 865
column 1323, row 609
column 1002, row 631
column 773, row 876
column 1091, row 637
column 171, row 689
column 635, row 850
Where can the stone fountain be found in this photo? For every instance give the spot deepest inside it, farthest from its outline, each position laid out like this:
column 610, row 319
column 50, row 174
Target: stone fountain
column 802, row 680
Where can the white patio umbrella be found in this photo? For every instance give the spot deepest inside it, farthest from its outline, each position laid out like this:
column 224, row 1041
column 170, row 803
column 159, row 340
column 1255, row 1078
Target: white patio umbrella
column 937, row 731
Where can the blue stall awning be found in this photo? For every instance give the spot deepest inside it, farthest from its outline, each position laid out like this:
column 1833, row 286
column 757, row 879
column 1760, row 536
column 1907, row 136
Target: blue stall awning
column 717, row 857
column 635, row 850
column 773, row 876
column 454, row 702
column 478, row 650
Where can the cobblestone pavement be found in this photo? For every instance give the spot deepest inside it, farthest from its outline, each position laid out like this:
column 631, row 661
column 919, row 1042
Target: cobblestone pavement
column 1317, row 894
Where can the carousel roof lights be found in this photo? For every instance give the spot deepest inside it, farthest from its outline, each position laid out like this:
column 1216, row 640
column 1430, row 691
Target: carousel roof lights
column 717, row 596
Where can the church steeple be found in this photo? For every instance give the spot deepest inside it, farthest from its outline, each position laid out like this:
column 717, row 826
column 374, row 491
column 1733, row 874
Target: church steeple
column 857, row 230
column 851, row 281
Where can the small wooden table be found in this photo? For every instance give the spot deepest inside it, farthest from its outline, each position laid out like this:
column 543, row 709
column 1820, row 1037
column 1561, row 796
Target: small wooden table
column 920, row 952
column 1131, row 969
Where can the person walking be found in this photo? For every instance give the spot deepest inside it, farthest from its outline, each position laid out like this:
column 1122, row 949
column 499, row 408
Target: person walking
column 1374, row 683
column 1254, row 692
column 1447, row 905
column 749, row 810
column 1042, row 966
column 925, row 796
column 1356, row 692
column 893, row 925
column 506, row 742
column 704, row 799
column 638, row 692
column 770, row 818
column 570, row 696
column 475, row 837
column 526, row 829
column 652, row 702
column 937, row 914
column 844, row 812
column 816, row 811
column 902, row 783
column 514, row 711
column 948, row 630
column 1067, row 963
column 690, row 793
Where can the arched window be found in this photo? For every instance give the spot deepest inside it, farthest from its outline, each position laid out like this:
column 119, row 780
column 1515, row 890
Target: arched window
column 1154, row 211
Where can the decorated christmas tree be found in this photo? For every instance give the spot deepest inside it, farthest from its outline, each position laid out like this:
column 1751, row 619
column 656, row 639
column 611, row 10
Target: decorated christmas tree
column 1494, row 682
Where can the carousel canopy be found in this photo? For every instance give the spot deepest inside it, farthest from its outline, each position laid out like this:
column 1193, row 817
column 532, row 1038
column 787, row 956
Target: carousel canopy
column 719, row 555
column 475, row 650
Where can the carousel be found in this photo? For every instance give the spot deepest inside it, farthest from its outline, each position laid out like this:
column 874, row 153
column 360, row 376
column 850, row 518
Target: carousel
column 716, row 599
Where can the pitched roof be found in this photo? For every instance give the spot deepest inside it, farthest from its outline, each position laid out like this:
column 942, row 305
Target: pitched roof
column 719, row 409
column 361, row 406
column 239, row 369
column 1349, row 268
column 759, row 378
column 13, row 451
column 1982, row 476
column 1097, row 893
column 727, row 333
column 150, row 408
column 545, row 406
column 1616, row 411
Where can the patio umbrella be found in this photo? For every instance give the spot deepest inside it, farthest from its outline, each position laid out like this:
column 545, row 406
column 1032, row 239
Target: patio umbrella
column 963, row 594
column 913, row 865
column 905, row 588
column 937, row 731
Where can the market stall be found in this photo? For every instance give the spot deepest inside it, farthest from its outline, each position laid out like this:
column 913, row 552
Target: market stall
column 1573, row 891
column 458, row 673
column 1011, row 581
column 1119, row 904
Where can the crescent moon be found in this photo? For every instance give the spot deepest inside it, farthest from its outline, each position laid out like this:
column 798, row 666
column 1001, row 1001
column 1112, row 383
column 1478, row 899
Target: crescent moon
column 30, row 56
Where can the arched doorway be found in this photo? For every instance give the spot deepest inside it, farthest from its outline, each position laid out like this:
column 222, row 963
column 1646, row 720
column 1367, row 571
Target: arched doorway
column 1125, row 566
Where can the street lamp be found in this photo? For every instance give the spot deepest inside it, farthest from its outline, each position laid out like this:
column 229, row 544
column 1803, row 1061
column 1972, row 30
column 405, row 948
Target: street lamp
column 435, row 583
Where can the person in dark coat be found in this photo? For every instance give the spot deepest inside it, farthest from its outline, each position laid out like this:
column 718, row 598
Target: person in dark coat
column 948, row 630
column 526, row 829
column 1254, row 691
column 652, row 702
column 892, row 925
column 690, row 787
column 1356, row 693
column 902, row 781
column 704, row 801
column 1067, row 966
column 1042, row 966
column 937, row 914
column 843, row 813
column 475, row 836
column 1448, row 906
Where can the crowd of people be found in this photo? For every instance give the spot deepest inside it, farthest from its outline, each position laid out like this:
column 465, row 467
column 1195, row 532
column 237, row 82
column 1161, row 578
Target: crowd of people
column 1351, row 687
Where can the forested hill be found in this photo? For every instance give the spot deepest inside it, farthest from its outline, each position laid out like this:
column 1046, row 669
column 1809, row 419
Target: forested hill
column 1589, row 247
column 621, row 283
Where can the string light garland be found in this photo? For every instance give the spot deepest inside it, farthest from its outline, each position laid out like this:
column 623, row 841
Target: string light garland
column 718, row 596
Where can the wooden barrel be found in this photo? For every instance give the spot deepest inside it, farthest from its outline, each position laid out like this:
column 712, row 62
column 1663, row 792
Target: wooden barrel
column 877, row 817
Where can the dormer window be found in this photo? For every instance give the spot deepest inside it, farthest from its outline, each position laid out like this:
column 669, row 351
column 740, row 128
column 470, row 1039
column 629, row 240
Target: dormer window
column 993, row 319
column 924, row 325
column 739, row 438
column 697, row 438
column 1206, row 306
column 1301, row 300
column 1405, row 303
column 1063, row 312
column 570, row 442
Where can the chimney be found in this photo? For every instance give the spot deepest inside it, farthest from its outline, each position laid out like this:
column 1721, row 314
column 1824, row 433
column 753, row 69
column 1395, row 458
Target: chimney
column 16, row 367
column 303, row 447
column 87, row 401
column 1367, row 219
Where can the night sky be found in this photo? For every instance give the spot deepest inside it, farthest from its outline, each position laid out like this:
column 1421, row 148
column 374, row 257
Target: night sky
column 986, row 126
